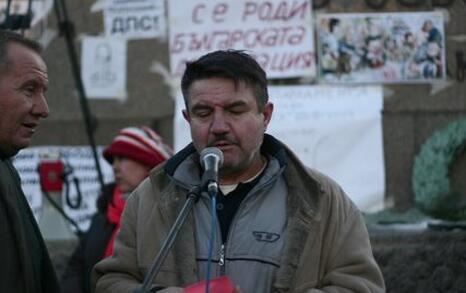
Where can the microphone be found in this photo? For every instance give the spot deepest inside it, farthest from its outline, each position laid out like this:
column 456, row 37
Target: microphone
column 211, row 161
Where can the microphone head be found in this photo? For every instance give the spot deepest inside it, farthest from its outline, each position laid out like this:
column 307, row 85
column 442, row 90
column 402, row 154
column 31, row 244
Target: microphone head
column 211, row 152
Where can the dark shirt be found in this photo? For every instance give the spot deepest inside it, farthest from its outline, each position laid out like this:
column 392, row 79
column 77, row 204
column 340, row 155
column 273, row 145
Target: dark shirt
column 10, row 270
column 228, row 205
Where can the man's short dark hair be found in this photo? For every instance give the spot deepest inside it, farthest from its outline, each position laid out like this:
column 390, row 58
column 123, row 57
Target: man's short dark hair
column 7, row 37
column 231, row 64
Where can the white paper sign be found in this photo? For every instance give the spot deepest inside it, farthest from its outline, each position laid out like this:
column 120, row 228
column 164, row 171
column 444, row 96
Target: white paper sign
column 278, row 33
column 103, row 64
column 81, row 161
column 336, row 130
column 135, row 19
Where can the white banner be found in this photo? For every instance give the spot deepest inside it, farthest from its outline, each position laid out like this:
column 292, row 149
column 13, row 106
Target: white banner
column 103, row 67
column 81, row 162
column 336, row 130
column 135, row 19
column 278, row 33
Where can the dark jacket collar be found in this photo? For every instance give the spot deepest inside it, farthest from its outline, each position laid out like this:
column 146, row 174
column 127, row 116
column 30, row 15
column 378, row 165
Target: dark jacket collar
column 296, row 173
column 270, row 146
column 3, row 157
column 299, row 179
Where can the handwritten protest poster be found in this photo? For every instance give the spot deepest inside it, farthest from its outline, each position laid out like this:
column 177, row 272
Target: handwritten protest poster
column 278, row 33
column 381, row 47
column 131, row 20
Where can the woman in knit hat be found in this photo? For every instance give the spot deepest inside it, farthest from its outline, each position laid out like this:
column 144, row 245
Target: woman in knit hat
column 132, row 154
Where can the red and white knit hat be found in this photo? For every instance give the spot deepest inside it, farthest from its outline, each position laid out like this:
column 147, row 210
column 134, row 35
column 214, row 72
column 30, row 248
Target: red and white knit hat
column 141, row 144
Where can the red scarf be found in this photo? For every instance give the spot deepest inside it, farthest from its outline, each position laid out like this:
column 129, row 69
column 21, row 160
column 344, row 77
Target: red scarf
column 114, row 210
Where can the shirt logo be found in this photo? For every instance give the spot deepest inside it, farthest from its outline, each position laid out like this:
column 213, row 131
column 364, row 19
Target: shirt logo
column 265, row 236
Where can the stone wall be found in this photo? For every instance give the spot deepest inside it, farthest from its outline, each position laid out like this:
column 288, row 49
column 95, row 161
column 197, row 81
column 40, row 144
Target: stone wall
column 422, row 261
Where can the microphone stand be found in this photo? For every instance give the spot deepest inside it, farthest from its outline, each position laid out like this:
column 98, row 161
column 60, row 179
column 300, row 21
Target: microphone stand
column 66, row 28
column 192, row 197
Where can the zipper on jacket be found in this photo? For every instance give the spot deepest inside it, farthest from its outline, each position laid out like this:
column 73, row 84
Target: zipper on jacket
column 221, row 261
column 222, row 253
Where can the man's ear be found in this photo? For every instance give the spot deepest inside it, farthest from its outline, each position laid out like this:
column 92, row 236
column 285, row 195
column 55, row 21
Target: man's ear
column 267, row 112
column 186, row 115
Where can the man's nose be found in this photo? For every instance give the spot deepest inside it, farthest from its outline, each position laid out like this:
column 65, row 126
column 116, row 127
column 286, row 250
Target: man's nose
column 219, row 123
column 41, row 108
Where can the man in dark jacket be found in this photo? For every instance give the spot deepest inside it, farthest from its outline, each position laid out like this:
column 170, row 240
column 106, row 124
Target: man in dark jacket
column 25, row 263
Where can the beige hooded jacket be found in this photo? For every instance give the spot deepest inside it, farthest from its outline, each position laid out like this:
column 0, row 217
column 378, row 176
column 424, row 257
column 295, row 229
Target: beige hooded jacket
column 327, row 247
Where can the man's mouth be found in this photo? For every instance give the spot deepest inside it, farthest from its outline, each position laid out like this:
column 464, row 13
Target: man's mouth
column 222, row 144
column 31, row 126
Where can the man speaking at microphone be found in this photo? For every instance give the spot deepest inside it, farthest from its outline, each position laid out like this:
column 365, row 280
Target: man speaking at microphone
column 282, row 227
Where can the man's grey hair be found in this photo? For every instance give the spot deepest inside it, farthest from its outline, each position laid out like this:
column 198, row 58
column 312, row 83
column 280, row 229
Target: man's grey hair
column 6, row 38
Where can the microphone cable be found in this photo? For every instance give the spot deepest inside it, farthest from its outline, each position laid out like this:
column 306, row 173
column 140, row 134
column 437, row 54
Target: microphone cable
column 69, row 170
column 213, row 226
column 79, row 197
